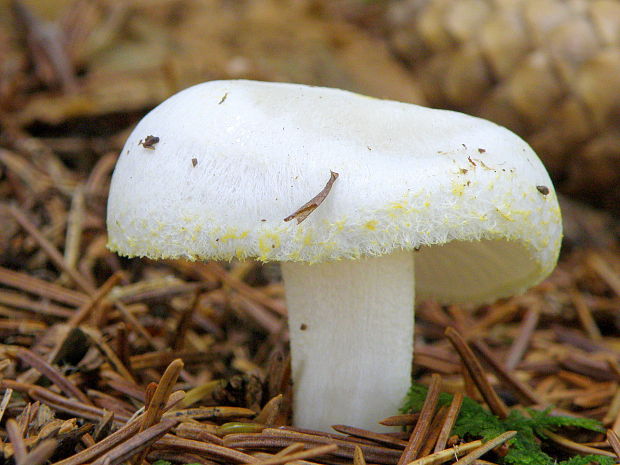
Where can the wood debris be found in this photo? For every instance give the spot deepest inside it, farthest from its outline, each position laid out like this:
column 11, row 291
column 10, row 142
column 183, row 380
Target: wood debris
column 304, row 211
column 149, row 142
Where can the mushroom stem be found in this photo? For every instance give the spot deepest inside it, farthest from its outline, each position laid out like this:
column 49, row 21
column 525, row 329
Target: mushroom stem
column 351, row 332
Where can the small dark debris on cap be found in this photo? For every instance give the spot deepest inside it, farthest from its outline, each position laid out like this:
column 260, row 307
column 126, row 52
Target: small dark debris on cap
column 149, row 142
column 194, row 162
column 544, row 190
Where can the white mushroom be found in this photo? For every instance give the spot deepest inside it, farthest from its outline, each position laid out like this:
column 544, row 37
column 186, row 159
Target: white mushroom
column 465, row 199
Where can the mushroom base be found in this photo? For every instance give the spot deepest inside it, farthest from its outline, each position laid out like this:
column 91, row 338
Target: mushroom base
column 351, row 330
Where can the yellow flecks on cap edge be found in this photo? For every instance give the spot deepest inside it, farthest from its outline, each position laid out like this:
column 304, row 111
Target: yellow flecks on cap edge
column 320, row 240
column 241, row 253
column 397, row 206
column 338, row 225
column 266, row 243
column 232, row 233
column 371, row 225
column 458, row 187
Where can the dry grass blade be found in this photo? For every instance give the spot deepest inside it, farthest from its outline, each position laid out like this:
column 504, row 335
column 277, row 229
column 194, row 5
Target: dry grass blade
column 295, row 447
column 53, row 253
column 221, row 453
column 57, row 401
column 585, row 316
column 21, row 302
column 128, row 388
column 242, row 287
column 260, row 315
column 307, row 454
column 600, row 265
column 134, row 323
column 96, row 181
column 36, row 179
column 176, row 398
column 123, row 349
column 449, row 421
column 271, row 411
column 486, row 447
column 447, row 454
column 522, row 341
column 42, row 452
column 17, row 441
column 358, row 456
column 75, row 223
column 6, row 398
column 157, row 404
column 275, row 438
column 477, row 374
column 616, row 423
column 575, row 446
column 279, row 378
column 304, row 211
column 97, row 339
column 434, row 431
column 614, row 441
column 421, row 429
column 136, row 444
column 185, row 320
column 154, row 288
column 70, row 406
column 41, row 288
column 196, row 394
column 91, row 453
column 235, row 427
column 52, row 374
column 502, row 311
column 8, row 391
column 179, row 457
column 211, row 413
column 406, row 419
column 22, row 326
column 97, row 296
column 611, row 416
column 199, row 432
column 366, row 434
column 588, row 366
column 163, row 358
column 526, row 395
column 82, row 313
column 104, row 426
column 47, row 48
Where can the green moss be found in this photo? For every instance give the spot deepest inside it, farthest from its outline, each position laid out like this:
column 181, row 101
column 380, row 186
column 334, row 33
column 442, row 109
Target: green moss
column 475, row 422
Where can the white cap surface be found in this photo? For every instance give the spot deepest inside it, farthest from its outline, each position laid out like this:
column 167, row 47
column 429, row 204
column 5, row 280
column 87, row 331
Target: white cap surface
column 235, row 158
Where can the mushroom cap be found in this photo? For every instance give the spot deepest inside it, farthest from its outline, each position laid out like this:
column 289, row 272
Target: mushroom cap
column 235, row 158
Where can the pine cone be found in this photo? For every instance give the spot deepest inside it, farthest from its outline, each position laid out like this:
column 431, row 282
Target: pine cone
column 547, row 69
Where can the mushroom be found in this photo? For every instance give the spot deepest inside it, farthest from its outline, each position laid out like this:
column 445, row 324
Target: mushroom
column 458, row 196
